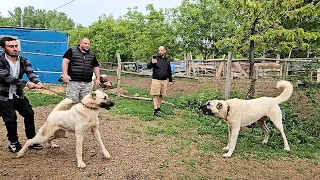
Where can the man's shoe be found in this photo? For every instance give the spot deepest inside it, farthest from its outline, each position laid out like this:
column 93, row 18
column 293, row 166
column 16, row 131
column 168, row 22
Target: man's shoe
column 155, row 113
column 36, row 146
column 14, row 147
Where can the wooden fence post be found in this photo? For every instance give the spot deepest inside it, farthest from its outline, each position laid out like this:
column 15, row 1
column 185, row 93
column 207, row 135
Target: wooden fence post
column 284, row 73
column 318, row 75
column 281, row 66
column 118, row 74
column 228, row 77
column 188, row 64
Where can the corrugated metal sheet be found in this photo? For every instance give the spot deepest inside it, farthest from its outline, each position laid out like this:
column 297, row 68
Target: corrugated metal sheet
column 43, row 47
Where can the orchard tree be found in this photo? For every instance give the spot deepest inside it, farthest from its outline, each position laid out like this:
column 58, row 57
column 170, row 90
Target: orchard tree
column 136, row 36
column 260, row 26
column 5, row 21
column 200, row 24
column 149, row 31
column 40, row 18
column 103, row 36
column 306, row 18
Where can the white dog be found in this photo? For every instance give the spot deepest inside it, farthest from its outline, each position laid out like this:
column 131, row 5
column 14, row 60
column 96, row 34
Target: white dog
column 77, row 119
column 240, row 113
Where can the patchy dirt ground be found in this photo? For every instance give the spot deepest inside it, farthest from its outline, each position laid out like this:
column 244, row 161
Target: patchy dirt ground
column 136, row 155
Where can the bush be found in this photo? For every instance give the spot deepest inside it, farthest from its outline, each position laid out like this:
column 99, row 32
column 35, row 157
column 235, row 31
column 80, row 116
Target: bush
column 194, row 101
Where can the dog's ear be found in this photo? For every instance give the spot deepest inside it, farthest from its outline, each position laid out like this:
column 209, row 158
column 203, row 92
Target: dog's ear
column 93, row 95
column 219, row 106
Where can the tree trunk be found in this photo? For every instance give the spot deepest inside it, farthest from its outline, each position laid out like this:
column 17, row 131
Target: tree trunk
column 252, row 77
column 205, row 54
column 252, row 71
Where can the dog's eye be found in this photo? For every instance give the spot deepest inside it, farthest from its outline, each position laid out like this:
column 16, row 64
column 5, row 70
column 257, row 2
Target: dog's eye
column 105, row 97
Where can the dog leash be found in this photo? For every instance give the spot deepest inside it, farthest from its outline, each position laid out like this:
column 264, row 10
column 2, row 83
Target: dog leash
column 54, row 92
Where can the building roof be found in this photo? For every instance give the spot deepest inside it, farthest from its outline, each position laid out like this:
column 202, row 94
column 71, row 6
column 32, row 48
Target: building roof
column 28, row 28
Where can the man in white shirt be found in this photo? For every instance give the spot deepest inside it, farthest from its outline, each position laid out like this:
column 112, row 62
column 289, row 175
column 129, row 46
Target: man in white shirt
column 12, row 98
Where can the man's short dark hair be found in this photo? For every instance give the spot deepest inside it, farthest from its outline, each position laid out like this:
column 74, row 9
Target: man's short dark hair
column 4, row 40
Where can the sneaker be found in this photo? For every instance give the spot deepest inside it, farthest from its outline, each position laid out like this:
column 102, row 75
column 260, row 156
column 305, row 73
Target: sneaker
column 14, row 147
column 36, row 146
column 155, row 113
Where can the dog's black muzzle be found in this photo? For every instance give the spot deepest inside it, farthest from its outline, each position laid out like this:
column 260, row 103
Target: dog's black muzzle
column 107, row 105
column 205, row 110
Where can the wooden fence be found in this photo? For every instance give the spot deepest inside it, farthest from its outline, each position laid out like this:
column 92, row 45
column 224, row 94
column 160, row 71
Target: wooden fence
column 264, row 68
column 217, row 68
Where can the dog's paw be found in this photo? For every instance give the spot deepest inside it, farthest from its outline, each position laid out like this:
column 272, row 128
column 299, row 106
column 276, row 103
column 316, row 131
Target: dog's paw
column 227, row 155
column 226, row 148
column 19, row 154
column 81, row 165
column 264, row 141
column 107, row 155
column 287, row 149
column 53, row 146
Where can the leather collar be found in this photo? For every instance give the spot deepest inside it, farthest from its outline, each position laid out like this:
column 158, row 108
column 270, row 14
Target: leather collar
column 89, row 107
column 228, row 110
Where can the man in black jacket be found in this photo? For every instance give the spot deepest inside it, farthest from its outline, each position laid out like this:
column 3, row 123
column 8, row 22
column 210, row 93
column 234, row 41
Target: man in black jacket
column 12, row 98
column 78, row 65
column 161, row 73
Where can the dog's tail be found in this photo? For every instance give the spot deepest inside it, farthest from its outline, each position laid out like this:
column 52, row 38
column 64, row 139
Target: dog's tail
column 287, row 91
column 64, row 105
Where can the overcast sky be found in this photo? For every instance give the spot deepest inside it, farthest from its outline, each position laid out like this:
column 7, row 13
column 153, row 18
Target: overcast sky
column 86, row 12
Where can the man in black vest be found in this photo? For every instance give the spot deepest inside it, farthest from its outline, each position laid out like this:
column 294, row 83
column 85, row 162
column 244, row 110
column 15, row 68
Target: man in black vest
column 12, row 98
column 78, row 65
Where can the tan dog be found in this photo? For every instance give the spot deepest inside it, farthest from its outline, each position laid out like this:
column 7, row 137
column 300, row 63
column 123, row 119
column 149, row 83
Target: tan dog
column 240, row 113
column 77, row 119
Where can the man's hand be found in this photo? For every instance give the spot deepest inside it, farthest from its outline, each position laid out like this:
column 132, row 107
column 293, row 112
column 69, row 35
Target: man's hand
column 170, row 83
column 107, row 83
column 31, row 85
column 97, row 81
column 154, row 61
column 39, row 85
column 66, row 79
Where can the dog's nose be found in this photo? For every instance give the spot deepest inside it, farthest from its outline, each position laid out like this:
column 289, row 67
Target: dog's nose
column 202, row 107
column 111, row 103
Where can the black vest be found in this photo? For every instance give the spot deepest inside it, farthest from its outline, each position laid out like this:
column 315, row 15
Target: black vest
column 81, row 65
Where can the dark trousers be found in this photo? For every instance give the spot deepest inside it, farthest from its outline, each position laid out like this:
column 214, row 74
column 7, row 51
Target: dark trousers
column 8, row 112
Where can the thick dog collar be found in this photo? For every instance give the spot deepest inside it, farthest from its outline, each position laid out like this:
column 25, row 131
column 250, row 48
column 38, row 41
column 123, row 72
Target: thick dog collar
column 228, row 110
column 89, row 107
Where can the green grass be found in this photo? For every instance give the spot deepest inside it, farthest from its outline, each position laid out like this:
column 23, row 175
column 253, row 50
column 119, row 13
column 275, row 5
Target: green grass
column 140, row 92
column 142, row 109
column 164, row 164
column 39, row 99
column 190, row 164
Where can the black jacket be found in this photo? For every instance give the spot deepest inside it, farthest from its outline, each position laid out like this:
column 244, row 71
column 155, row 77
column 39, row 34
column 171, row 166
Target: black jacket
column 161, row 69
column 6, row 79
